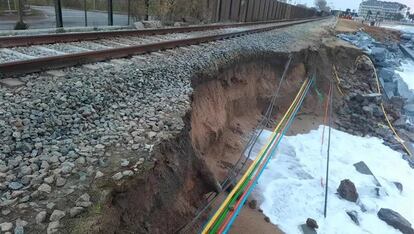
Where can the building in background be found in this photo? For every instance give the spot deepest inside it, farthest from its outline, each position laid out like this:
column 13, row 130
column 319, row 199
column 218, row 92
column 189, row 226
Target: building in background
column 374, row 9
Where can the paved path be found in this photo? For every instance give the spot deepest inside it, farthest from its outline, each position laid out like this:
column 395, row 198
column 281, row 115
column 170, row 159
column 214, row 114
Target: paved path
column 71, row 18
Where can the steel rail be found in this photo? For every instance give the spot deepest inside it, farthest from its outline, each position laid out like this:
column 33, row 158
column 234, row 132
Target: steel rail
column 60, row 61
column 27, row 40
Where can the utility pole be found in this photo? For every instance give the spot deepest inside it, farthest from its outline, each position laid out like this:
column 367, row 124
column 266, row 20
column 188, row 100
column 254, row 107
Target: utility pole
column 110, row 13
column 58, row 13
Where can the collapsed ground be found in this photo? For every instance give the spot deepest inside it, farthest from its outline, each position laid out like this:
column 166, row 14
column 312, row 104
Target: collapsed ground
column 116, row 147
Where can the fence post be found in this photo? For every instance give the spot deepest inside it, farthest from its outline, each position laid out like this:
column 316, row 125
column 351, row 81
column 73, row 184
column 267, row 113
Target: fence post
column 218, row 10
column 58, row 14
column 268, row 9
column 247, row 10
column 146, row 10
column 86, row 13
column 230, row 9
column 110, row 13
column 20, row 6
column 129, row 12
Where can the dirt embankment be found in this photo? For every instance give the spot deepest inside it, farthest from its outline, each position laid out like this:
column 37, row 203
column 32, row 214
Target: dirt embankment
column 380, row 34
column 226, row 107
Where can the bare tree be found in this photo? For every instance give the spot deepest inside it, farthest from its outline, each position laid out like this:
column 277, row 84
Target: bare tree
column 322, row 5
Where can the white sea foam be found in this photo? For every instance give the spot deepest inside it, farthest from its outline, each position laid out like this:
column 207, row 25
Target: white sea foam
column 291, row 188
column 407, row 73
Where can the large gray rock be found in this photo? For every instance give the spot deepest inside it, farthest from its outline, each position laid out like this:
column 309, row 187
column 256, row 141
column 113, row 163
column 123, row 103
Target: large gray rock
column 406, row 36
column 354, row 216
column 404, row 91
column 19, row 230
column 15, row 185
column 139, row 25
column 379, row 54
column 409, row 109
column 409, row 159
column 45, row 188
column 5, row 227
column 75, row 211
column 307, row 230
column 312, row 223
column 386, row 74
column 57, row 215
column 347, row 191
column 41, row 217
column 53, row 227
column 395, row 220
column 399, row 186
column 152, row 24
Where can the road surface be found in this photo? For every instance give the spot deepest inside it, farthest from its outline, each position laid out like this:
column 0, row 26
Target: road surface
column 71, row 18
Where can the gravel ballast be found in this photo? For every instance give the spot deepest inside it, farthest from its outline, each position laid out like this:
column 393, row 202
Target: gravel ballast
column 101, row 121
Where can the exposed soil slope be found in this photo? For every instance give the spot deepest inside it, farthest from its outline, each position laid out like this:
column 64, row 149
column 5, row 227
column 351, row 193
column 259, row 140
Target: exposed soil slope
column 226, row 108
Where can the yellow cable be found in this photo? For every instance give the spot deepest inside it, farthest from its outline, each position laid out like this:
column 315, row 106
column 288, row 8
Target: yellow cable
column 337, row 79
column 399, row 139
column 252, row 166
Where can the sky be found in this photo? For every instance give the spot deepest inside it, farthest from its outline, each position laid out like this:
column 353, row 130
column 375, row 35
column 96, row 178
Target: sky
column 352, row 4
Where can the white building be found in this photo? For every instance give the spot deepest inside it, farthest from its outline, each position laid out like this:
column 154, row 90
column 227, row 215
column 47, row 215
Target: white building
column 382, row 9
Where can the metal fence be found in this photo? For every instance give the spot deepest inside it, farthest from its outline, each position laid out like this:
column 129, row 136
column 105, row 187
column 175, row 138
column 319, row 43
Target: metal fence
column 257, row 10
column 77, row 13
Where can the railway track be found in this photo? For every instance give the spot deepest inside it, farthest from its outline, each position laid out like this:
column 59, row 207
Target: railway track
column 68, row 52
column 14, row 41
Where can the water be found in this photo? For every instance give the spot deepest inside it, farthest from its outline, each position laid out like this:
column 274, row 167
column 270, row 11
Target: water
column 403, row 28
column 407, row 73
column 406, row 70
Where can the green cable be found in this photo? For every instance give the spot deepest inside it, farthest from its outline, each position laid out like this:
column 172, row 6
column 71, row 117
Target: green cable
column 320, row 95
column 236, row 195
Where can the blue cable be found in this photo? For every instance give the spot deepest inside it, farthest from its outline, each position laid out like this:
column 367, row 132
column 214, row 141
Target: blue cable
column 236, row 213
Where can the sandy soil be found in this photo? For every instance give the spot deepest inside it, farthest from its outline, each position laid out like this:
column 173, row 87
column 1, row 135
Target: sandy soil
column 252, row 220
column 380, row 34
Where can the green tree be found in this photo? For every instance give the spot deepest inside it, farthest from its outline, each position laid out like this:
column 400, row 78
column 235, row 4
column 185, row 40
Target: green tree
column 377, row 14
column 398, row 17
column 369, row 14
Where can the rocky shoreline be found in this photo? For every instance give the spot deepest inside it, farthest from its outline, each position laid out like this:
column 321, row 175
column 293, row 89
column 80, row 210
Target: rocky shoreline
column 398, row 99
